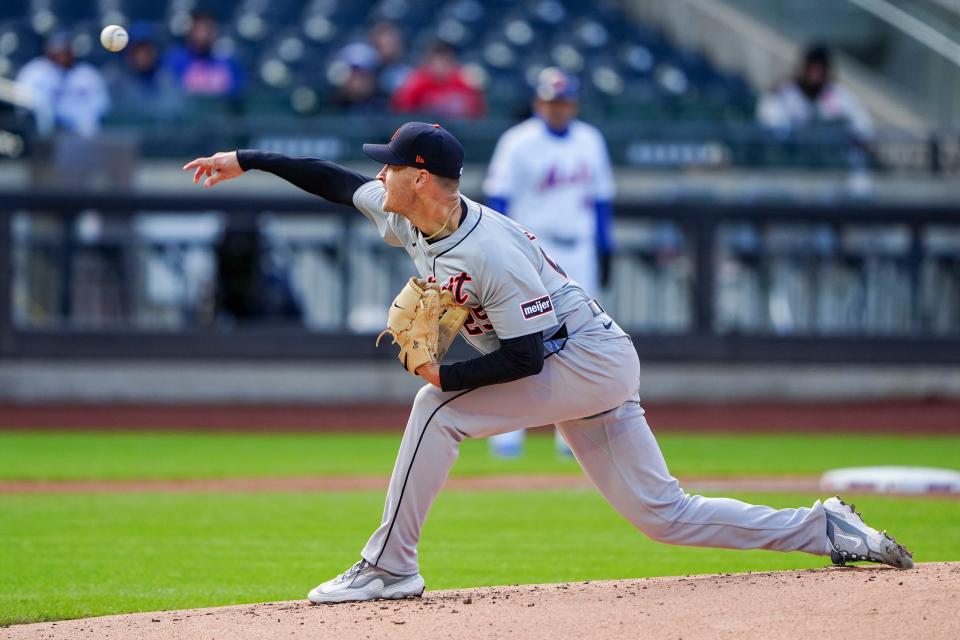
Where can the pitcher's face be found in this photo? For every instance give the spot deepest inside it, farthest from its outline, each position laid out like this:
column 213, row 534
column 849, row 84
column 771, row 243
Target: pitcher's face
column 399, row 181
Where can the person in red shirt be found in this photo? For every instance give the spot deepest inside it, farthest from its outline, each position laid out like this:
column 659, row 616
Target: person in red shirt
column 440, row 87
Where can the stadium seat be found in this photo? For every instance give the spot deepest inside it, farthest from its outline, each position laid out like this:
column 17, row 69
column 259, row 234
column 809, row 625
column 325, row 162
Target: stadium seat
column 630, row 72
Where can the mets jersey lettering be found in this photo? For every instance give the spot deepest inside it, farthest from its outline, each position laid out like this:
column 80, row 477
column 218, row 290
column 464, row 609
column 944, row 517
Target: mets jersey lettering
column 551, row 182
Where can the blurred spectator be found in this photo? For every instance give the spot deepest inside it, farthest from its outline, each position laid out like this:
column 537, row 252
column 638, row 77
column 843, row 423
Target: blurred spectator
column 198, row 70
column 359, row 91
column 142, row 86
column 440, row 87
column 387, row 40
column 812, row 97
column 74, row 92
column 551, row 173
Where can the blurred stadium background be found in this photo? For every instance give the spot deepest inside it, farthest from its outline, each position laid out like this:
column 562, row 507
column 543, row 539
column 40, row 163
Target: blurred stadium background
column 754, row 263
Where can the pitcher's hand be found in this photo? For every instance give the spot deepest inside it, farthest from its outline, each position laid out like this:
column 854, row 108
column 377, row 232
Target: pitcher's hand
column 217, row 168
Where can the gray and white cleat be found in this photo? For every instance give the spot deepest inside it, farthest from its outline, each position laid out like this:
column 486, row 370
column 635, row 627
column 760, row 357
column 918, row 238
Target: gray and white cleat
column 364, row 581
column 853, row 540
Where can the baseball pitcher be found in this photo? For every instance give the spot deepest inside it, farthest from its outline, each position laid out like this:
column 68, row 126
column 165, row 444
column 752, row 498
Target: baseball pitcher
column 551, row 355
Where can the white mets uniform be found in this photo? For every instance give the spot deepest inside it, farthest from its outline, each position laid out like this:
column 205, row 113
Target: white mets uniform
column 589, row 388
column 551, row 183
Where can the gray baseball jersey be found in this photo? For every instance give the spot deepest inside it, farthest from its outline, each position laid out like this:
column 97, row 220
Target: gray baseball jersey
column 588, row 388
column 491, row 265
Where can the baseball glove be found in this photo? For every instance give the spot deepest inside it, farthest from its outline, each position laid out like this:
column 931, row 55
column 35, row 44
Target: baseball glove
column 423, row 320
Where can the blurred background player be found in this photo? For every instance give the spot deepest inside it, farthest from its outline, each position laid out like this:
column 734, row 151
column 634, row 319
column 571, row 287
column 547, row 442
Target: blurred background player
column 551, row 173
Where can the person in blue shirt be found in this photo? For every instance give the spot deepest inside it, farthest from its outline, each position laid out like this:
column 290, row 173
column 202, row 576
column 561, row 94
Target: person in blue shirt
column 198, row 69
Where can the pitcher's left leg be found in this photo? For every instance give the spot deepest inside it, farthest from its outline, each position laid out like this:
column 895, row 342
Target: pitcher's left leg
column 620, row 455
column 440, row 420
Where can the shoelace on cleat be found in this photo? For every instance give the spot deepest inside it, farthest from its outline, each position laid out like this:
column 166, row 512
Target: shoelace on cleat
column 354, row 570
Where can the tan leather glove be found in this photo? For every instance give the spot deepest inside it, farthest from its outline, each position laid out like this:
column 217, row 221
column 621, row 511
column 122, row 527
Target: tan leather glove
column 423, row 320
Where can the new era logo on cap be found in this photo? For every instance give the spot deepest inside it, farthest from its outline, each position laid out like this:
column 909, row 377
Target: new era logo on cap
column 421, row 145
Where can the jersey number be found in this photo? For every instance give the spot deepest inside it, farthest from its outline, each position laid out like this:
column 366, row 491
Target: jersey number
column 478, row 322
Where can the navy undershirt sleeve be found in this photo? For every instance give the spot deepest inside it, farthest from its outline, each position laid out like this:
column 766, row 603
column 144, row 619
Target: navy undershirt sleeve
column 319, row 177
column 516, row 358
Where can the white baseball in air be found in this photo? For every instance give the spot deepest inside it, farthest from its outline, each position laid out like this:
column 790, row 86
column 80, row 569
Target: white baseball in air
column 114, row 38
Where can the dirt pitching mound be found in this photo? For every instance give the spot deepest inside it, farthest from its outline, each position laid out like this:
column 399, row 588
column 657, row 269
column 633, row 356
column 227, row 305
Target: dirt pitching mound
column 868, row 602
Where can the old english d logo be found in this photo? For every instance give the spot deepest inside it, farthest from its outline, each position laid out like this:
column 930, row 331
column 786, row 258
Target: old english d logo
column 420, row 159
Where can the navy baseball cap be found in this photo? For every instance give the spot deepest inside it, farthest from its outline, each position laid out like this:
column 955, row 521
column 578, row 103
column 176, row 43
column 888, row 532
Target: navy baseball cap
column 554, row 84
column 422, row 146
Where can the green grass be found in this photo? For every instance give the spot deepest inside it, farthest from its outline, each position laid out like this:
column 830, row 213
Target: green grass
column 182, row 455
column 65, row 556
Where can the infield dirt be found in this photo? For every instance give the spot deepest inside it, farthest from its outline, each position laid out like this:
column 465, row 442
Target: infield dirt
column 860, row 602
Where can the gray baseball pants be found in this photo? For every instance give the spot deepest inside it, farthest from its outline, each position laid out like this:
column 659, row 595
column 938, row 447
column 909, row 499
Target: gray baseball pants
column 589, row 388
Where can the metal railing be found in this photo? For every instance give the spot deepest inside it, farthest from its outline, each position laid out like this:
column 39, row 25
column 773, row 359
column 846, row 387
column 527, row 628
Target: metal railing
column 163, row 277
column 633, row 142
